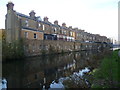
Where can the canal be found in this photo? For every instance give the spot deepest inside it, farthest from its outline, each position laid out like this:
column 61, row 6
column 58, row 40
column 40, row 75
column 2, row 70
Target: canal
column 49, row 70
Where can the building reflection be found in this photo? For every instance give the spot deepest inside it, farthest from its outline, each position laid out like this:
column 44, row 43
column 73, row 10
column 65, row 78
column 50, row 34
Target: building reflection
column 34, row 72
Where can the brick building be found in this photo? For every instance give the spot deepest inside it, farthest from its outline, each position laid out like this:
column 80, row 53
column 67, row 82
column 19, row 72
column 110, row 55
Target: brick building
column 38, row 32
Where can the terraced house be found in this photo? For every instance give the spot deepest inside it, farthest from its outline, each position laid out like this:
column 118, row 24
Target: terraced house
column 42, row 35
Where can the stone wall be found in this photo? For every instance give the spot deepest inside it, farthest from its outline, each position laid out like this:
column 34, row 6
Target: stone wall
column 38, row 47
column 12, row 26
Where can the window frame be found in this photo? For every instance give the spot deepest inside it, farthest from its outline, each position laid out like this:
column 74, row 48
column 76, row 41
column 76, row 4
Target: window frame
column 26, row 23
column 35, row 36
column 43, row 27
column 26, row 34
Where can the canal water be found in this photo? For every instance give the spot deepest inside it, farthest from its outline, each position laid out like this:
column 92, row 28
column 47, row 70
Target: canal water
column 49, row 71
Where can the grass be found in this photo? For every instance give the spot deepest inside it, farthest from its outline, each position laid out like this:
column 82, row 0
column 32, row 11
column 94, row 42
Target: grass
column 107, row 75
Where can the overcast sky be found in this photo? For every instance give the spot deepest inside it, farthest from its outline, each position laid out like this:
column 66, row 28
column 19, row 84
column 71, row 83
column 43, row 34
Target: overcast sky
column 94, row 16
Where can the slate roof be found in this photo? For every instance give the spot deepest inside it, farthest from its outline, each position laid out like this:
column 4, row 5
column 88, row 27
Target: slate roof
column 28, row 17
column 31, row 29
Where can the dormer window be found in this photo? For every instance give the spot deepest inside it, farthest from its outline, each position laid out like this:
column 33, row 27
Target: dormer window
column 26, row 23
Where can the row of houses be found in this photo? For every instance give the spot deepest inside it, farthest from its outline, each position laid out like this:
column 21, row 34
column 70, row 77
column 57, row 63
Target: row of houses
column 19, row 25
column 41, row 36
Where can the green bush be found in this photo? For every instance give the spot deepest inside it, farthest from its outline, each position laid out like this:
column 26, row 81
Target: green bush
column 107, row 75
column 14, row 50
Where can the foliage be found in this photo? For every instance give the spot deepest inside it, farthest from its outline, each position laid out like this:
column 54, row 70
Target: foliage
column 43, row 52
column 62, row 52
column 75, row 82
column 14, row 50
column 51, row 50
column 106, row 76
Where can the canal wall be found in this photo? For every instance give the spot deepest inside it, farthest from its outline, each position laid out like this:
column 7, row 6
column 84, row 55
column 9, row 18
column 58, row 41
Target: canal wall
column 39, row 47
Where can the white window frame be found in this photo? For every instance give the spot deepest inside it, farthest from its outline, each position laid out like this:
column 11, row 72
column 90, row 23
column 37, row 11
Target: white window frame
column 26, row 34
column 26, row 23
column 43, row 27
column 39, row 25
column 71, row 33
column 55, row 30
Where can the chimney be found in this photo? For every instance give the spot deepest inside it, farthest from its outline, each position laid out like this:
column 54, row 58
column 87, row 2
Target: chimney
column 76, row 28
column 70, row 27
column 46, row 19
column 10, row 6
column 63, row 25
column 32, row 14
column 56, row 22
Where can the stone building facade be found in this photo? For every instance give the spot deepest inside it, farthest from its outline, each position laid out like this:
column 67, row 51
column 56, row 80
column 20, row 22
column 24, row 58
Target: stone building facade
column 42, row 35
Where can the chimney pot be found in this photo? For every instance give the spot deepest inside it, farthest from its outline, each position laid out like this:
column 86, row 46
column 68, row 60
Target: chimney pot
column 70, row 27
column 56, row 22
column 46, row 19
column 32, row 14
column 10, row 6
column 64, row 25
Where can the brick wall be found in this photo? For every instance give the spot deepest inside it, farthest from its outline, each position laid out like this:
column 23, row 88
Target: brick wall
column 33, row 47
column 30, row 34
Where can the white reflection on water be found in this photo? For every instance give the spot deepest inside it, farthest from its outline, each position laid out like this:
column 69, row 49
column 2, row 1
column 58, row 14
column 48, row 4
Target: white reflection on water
column 60, row 81
column 115, row 48
column 81, row 72
column 0, row 83
column 3, row 84
column 56, row 85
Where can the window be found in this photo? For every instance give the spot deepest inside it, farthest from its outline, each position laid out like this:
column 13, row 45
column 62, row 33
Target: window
column 43, row 27
column 55, row 30
column 71, row 34
column 35, row 35
column 64, row 32
column 46, row 37
column 26, row 34
column 26, row 23
column 39, row 25
column 60, row 31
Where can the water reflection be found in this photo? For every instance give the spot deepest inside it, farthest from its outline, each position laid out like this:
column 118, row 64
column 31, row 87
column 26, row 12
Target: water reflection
column 4, row 84
column 39, row 72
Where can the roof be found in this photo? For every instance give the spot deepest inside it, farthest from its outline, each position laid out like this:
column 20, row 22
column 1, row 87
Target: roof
column 36, row 19
column 56, row 25
column 64, row 28
column 31, row 29
column 23, row 15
